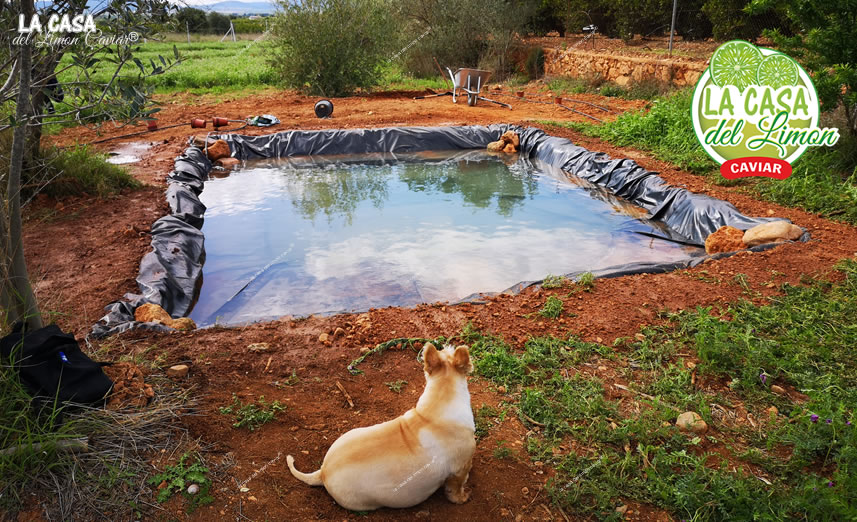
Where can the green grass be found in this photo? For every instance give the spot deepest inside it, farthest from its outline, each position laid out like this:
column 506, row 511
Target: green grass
column 552, row 308
column 205, row 67
column 83, row 461
column 803, row 340
column 252, row 415
column 823, row 180
column 81, row 170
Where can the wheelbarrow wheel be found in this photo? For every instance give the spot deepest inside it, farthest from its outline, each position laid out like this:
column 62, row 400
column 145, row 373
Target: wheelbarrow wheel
column 471, row 99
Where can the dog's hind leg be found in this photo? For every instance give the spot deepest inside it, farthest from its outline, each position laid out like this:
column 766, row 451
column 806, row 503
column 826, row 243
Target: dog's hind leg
column 454, row 487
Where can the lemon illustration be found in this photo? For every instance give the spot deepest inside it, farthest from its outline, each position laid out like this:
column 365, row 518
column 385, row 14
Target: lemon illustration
column 777, row 70
column 735, row 63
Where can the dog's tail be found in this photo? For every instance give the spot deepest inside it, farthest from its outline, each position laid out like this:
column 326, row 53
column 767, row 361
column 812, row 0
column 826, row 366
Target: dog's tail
column 313, row 479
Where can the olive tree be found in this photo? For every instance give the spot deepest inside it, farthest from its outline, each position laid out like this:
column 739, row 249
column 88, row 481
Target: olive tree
column 30, row 94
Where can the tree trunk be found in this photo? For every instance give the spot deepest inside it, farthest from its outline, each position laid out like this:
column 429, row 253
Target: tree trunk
column 24, row 306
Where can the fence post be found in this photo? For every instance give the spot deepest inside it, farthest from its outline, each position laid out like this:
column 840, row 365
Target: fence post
column 672, row 27
column 187, row 28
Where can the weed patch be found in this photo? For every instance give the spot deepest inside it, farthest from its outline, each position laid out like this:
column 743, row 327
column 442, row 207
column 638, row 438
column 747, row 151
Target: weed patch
column 178, row 477
column 252, row 415
column 552, row 308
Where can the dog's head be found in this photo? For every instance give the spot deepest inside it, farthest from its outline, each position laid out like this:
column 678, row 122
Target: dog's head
column 449, row 361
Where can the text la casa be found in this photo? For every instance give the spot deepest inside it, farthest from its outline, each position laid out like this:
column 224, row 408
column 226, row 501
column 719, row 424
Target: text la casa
column 58, row 24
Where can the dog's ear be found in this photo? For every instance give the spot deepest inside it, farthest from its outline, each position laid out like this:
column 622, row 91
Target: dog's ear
column 431, row 359
column 461, row 359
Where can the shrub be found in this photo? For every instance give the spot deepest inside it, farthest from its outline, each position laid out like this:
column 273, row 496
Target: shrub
column 331, row 47
column 80, row 170
column 463, row 33
column 535, row 64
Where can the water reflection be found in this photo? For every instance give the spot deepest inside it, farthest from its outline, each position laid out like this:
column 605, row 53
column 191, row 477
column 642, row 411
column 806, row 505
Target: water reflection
column 305, row 235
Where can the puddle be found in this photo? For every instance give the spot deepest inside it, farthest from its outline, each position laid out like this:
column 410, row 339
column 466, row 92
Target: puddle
column 321, row 234
column 130, row 152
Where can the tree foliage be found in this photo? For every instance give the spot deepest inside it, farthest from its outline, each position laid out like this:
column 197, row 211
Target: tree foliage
column 331, row 47
column 462, row 33
column 30, row 93
column 823, row 40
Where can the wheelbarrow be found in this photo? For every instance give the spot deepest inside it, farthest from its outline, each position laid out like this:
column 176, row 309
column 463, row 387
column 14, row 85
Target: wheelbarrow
column 470, row 82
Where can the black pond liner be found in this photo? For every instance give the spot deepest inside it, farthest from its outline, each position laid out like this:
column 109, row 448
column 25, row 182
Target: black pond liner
column 171, row 273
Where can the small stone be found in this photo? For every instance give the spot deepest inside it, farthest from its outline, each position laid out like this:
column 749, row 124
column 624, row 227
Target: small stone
column 244, row 489
column 691, row 421
column 598, row 340
column 258, row 347
column 364, row 350
column 251, row 498
column 770, row 212
column 602, row 368
column 193, row 489
column 525, row 491
column 538, row 463
column 323, row 338
column 772, row 232
column 690, row 365
column 227, row 163
column 178, row 371
column 622, row 509
column 339, row 332
column 725, row 239
column 778, row 390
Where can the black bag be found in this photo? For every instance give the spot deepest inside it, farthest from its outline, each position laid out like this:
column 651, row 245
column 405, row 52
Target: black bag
column 51, row 364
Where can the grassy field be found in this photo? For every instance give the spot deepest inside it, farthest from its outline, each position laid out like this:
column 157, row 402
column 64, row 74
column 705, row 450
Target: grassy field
column 210, row 66
column 205, row 67
column 806, row 454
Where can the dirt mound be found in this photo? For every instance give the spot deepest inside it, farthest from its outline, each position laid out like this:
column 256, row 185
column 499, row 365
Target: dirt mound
column 129, row 388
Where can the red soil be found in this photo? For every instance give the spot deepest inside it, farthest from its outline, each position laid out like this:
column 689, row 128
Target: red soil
column 87, row 256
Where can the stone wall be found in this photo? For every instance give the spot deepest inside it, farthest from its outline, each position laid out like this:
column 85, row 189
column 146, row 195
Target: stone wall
column 623, row 69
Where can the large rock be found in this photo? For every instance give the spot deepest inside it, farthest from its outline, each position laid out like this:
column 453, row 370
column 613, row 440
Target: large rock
column 773, row 232
column 218, row 149
column 496, row 146
column 511, row 137
column 152, row 313
column 725, row 239
column 692, row 422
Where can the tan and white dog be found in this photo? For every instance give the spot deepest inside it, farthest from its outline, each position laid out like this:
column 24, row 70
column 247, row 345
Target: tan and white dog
column 400, row 463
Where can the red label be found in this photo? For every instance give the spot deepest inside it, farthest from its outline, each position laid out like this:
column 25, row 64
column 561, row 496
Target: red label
column 765, row 167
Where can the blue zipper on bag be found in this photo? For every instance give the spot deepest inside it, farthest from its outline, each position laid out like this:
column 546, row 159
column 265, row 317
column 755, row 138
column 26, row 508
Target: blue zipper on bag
column 63, row 357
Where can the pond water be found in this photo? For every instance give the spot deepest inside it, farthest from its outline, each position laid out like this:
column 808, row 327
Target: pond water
column 345, row 233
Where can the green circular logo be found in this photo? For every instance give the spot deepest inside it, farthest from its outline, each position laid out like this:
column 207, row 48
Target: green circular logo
column 756, row 102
